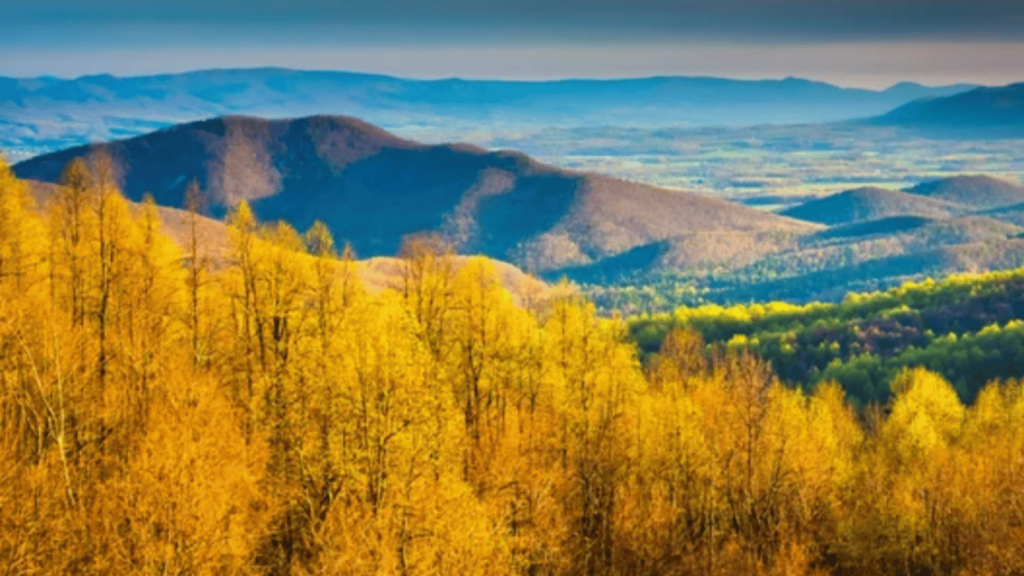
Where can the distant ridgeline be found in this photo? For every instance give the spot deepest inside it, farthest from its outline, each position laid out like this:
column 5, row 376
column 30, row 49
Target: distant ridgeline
column 969, row 328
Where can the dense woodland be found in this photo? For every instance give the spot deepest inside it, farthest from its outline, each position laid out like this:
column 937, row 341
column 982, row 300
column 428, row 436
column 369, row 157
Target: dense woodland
column 967, row 328
column 826, row 271
column 165, row 411
column 822, row 276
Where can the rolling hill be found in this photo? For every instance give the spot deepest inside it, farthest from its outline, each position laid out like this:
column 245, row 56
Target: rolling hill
column 977, row 192
column 373, row 189
column 866, row 204
column 982, row 112
column 39, row 115
column 881, row 237
column 876, row 209
column 876, row 238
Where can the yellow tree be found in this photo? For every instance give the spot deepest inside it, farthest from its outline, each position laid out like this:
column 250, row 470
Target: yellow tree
column 21, row 257
column 428, row 274
column 148, row 309
column 198, row 268
column 484, row 335
column 22, row 269
column 244, row 347
column 899, row 518
column 595, row 378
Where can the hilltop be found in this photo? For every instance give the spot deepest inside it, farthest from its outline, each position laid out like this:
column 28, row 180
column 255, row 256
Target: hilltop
column 374, row 189
column 868, row 203
column 939, row 199
column 880, row 237
column 876, row 239
column 974, row 191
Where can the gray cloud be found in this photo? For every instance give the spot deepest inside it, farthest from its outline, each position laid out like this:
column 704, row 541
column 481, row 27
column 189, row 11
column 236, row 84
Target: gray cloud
column 876, row 65
column 729, row 20
column 853, row 42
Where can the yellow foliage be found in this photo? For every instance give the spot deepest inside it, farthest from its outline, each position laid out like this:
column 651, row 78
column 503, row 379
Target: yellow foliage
column 926, row 415
column 266, row 415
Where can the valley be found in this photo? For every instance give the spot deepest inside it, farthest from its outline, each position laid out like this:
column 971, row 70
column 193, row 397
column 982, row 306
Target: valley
column 768, row 165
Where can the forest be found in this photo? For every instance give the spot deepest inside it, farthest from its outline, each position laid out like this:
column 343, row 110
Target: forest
column 164, row 410
column 969, row 328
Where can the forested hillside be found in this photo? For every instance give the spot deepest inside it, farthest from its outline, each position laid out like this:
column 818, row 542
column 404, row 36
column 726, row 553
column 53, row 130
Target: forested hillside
column 969, row 328
column 877, row 239
column 264, row 414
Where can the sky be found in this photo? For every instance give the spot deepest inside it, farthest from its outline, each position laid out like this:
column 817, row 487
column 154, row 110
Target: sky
column 873, row 43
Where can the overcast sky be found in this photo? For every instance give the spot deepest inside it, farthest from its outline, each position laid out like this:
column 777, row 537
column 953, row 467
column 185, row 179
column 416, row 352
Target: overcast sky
column 850, row 42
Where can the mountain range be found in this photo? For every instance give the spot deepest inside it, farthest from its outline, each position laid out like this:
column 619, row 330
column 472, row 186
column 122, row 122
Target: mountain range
column 871, row 239
column 869, row 203
column 44, row 114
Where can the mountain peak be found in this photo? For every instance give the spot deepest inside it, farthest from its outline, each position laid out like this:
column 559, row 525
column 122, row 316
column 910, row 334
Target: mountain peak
column 977, row 191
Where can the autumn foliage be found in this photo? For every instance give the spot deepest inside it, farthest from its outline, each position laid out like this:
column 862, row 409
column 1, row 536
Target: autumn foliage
column 166, row 412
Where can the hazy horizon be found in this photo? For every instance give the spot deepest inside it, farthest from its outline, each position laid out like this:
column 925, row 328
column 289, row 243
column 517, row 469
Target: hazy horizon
column 862, row 43
column 859, row 65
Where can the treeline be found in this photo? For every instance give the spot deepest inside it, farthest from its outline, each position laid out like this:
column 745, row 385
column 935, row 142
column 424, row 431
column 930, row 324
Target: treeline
column 967, row 328
column 168, row 411
column 662, row 291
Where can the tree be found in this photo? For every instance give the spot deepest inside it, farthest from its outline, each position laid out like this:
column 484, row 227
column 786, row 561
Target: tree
column 196, row 204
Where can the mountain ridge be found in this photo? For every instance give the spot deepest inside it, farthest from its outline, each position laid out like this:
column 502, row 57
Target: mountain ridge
column 375, row 189
column 979, row 191
column 942, row 198
column 994, row 112
column 39, row 115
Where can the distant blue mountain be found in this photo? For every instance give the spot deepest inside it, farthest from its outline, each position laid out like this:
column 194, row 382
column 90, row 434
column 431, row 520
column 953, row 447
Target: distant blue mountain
column 46, row 113
column 982, row 112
